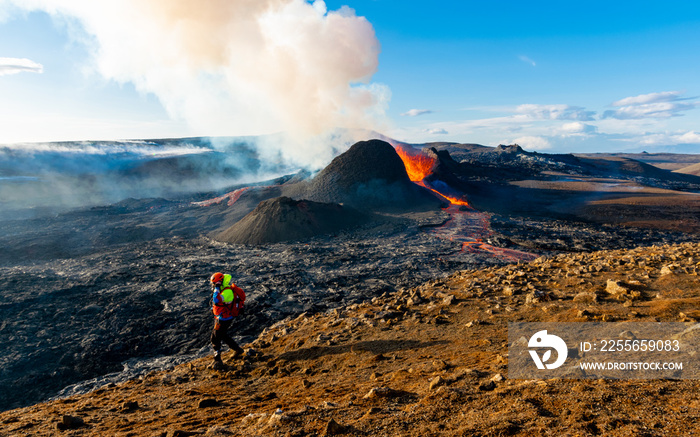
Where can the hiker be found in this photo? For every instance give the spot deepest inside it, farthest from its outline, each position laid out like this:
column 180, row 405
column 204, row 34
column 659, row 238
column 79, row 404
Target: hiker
column 227, row 303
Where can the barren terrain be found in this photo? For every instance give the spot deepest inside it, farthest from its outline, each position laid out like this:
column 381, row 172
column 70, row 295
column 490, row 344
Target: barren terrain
column 426, row 360
column 104, row 295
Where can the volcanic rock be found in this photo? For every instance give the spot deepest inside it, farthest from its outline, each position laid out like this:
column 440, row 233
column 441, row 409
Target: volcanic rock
column 615, row 288
column 437, row 382
column 370, row 174
column 70, row 422
column 586, row 297
column 333, row 428
column 476, row 400
column 285, row 219
column 207, row 402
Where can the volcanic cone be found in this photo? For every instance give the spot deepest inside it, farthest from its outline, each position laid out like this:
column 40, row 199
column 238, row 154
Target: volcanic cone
column 284, row 219
column 370, row 174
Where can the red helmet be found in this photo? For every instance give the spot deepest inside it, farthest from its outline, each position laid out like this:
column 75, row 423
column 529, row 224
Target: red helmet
column 217, row 278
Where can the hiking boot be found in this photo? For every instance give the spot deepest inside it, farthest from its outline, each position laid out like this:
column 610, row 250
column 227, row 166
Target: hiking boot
column 218, row 365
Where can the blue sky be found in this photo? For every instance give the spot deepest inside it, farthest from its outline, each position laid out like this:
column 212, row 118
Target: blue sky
column 551, row 76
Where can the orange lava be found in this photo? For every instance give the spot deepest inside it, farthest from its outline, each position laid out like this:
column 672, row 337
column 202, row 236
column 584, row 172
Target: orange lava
column 232, row 197
column 453, row 200
column 418, row 165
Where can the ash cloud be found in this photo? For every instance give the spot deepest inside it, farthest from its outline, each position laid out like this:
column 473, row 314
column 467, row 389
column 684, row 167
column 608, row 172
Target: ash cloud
column 242, row 67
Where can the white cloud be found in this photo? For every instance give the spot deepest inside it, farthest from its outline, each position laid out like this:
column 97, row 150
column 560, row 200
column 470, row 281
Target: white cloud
column 566, row 128
column 642, row 99
column 19, row 65
column 532, row 143
column 668, row 138
column 655, row 105
column 437, row 131
column 689, row 137
column 416, row 112
column 576, row 128
column 527, row 60
column 555, row 112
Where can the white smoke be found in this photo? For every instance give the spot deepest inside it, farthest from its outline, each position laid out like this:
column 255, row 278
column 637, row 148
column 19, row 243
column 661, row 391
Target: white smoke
column 238, row 67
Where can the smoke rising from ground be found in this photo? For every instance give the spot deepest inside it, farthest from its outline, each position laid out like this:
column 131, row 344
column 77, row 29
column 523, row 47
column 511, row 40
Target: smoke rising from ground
column 38, row 178
column 237, row 67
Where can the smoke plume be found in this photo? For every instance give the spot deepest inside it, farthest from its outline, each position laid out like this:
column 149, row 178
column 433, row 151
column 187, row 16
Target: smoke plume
column 237, row 67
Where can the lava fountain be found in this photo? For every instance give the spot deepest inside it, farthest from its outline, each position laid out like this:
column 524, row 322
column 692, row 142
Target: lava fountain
column 419, row 166
column 471, row 228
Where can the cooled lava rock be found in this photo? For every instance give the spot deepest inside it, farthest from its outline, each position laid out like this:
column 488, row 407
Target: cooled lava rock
column 284, row 219
column 370, row 174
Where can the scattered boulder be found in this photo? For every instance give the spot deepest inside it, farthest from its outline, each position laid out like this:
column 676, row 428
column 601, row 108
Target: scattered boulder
column 333, row 428
column 70, row 422
column 128, row 406
column 667, row 270
column 586, row 297
column 207, row 402
column 381, row 392
column 616, row 288
column 278, row 418
column 437, row 382
column 487, row 386
column 497, row 378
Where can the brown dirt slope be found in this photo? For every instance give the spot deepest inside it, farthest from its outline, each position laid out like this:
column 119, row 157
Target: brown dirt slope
column 425, row 361
column 691, row 169
column 285, row 219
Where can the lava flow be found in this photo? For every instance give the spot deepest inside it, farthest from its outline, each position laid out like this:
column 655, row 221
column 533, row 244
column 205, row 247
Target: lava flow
column 419, row 166
column 468, row 228
column 232, row 197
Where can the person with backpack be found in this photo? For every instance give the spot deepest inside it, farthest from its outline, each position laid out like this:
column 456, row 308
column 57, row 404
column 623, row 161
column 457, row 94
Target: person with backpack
column 227, row 303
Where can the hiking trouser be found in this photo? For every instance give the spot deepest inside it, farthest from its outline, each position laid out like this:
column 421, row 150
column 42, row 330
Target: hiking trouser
column 220, row 335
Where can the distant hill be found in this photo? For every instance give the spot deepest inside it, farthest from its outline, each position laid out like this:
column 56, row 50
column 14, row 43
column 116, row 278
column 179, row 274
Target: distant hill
column 666, row 161
column 691, row 169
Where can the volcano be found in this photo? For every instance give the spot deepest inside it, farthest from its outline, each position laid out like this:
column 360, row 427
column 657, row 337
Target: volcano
column 126, row 283
column 370, row 175
column 284, row 219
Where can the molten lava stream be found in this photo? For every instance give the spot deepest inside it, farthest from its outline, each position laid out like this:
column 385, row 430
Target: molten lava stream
column 232, row 197
column 419, row 166
column 467, row 227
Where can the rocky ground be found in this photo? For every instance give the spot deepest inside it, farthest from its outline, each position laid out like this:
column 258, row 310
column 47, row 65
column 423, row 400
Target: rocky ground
column 425, row 360
column 106, row 294
column 132, row 306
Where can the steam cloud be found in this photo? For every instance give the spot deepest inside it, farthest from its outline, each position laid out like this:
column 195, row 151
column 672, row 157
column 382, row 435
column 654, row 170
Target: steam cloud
column 238, row 67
